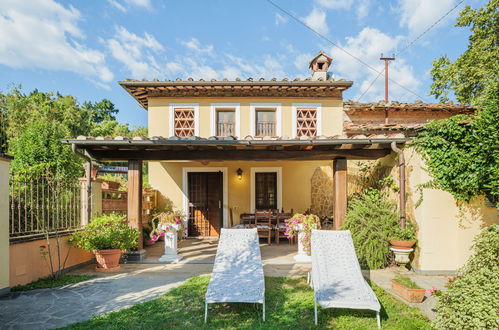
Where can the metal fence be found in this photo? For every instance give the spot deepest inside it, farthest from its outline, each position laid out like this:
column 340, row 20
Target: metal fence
column 40, row 204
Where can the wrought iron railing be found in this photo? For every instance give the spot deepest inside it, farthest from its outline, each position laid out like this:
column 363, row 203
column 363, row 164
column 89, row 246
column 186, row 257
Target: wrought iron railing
column 265, row 129
column 41, row 204
column 225, row 129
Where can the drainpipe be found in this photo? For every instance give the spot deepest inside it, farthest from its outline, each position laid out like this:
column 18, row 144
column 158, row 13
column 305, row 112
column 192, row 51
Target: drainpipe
column 400, row 154
column 88, row 174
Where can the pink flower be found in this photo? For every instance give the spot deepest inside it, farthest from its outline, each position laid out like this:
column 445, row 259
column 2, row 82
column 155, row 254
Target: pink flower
column 154, row 237
column 152, row 241
column 178, row 222
column 162, row 234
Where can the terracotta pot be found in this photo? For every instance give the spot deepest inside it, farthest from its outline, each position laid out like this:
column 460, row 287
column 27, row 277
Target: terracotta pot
column 402, row 245
column 107, row 260
column 410, row 295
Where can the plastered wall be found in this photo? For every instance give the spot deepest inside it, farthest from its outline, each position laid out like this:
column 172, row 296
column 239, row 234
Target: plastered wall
column 4, row 224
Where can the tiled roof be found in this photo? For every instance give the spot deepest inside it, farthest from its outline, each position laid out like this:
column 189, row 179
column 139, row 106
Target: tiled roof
column 141, row 90
column 352, row 107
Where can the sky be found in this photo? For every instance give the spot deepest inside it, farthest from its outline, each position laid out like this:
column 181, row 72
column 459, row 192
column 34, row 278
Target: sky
column 84, row 48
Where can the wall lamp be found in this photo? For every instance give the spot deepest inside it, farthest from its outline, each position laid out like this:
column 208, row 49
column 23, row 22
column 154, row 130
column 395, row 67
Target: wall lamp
column 239, row 173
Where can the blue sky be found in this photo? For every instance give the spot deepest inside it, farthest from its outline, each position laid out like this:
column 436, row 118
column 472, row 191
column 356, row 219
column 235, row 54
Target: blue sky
column 83, row 48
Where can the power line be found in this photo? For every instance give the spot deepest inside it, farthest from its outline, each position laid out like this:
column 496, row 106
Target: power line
column 336, row 45
column 410, row 44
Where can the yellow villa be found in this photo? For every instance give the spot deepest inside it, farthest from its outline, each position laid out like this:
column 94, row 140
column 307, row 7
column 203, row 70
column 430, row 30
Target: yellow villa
column 219, row 149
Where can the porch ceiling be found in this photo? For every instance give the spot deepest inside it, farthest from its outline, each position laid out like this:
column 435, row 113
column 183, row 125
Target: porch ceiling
column 230, row 149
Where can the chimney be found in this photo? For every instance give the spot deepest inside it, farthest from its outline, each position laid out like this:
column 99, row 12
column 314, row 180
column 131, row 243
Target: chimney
column 319, row 65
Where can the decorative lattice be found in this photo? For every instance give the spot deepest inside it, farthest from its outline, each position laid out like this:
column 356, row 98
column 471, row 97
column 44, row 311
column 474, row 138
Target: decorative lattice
column 184, row 122
column 306, row 122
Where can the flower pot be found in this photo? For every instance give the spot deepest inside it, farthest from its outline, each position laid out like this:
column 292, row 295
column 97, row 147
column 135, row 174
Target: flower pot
column 402, row 245
column 107, row 260
column 410, row 295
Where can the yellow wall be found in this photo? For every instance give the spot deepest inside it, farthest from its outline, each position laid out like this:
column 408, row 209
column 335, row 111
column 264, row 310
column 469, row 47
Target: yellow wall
column 166, row 177
column 27, row 265
column 4, row 225
column 332, row 114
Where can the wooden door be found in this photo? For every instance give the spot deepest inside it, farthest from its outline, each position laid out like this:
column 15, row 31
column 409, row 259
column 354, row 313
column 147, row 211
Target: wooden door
column 205, row 203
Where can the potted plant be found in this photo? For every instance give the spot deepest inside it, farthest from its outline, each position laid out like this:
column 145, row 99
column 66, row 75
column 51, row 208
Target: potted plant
column 107, row 236
column 167, row 224
column 402, row 241
column 146, row 235
column 301, row 225
column 405, row 288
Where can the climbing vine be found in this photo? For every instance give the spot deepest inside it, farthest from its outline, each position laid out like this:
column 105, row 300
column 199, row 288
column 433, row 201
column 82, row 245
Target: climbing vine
column 462, row 152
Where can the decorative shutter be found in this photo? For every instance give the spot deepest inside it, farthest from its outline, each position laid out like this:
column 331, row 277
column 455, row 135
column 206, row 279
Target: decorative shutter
column 183, row 122
column 306, row 122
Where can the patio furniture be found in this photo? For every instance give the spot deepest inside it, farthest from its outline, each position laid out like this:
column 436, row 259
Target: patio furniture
column 238, row 272
column 280, row 227
column 263, row 223
column 336, row 276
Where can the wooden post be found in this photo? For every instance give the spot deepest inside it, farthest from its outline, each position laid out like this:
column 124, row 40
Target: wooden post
column 135, row 197
column 340, row 192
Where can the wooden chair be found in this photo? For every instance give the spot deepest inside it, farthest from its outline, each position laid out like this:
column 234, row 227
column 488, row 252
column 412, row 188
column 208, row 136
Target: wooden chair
column 231, row 218
column 280, row 227
column 263, row 223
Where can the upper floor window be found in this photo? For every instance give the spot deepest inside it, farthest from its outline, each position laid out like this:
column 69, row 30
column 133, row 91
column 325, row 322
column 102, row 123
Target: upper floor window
column 306, row 120
column 225, row 119
column 265, row 119
column 184, row 120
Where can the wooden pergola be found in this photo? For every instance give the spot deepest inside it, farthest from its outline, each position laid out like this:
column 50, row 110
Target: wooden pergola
column 139, row 149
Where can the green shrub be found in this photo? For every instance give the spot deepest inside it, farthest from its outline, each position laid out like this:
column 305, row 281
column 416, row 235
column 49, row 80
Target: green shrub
column 106, row 232
column 470, row 302
column 406, row 281
column 372, row 221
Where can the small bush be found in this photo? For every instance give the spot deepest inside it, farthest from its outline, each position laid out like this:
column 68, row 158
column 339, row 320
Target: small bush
column 106, row 232
column 372, row 221
column 470, row 302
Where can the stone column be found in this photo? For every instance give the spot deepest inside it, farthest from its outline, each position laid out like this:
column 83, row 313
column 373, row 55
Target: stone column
column 4, row 225
column 95, row 199
column 340, row 192
column 134, row 211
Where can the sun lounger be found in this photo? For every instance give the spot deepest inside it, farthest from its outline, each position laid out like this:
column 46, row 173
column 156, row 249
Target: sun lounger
column 336, row 276
column 238, row 272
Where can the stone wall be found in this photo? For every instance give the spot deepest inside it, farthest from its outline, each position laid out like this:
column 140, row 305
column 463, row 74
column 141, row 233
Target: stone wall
column 321, row 194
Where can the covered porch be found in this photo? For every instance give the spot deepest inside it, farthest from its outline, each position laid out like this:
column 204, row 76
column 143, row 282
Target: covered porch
column 335, row 151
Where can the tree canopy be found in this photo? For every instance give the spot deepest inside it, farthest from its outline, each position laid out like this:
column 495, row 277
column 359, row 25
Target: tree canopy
column 462, row 152
column 33, row 125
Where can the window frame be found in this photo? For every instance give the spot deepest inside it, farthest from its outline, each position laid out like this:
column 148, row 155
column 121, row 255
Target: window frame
column 253, row 109
column 253, row 171
column 172, row 107
column 294, row 122
column 224, row 107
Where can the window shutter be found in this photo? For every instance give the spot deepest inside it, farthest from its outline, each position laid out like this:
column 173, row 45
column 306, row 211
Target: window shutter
column 306, row 122
column 183, row 122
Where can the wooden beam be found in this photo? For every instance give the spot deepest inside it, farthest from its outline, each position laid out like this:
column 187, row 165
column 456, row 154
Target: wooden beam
column 340, row 192
column 135, row 197
column 229, row 155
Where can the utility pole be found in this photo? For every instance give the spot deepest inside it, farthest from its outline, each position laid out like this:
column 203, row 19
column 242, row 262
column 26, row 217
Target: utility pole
column 386, row 59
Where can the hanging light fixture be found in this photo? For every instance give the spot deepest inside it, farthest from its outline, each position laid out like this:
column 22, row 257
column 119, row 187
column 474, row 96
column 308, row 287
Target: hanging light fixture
column 239, row 173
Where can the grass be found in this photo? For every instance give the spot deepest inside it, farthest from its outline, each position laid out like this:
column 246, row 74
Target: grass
column 289, row 304
column 48, row 282
column 406, row 281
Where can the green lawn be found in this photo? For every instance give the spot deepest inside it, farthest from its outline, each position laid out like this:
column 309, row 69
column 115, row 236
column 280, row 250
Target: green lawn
column 48, row 282
column 289, row 306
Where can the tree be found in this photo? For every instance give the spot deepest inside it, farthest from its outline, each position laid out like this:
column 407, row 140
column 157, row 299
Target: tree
column 462, row 152
column 475, row 68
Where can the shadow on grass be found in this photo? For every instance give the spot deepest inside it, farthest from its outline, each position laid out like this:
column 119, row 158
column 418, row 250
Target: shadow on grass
column 289, row 303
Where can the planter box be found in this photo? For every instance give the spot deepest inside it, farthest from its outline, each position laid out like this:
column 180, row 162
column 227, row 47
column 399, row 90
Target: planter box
column 110, row 185
column 410, row 295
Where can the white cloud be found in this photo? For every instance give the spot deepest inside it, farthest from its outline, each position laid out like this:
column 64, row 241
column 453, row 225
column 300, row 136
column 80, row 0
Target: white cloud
column 117, row 5
column 368, row 46
column 317, row 20
column 194, row 45
column 302, row 61
column 135, row 52
column 43, row 34
column 361, row 7
column 418, row 15
column 280, row 19
column 140, row 3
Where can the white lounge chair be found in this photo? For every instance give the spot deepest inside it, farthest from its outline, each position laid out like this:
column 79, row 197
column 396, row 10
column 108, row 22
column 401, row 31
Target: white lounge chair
column 238, row 272
column 336, row 276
